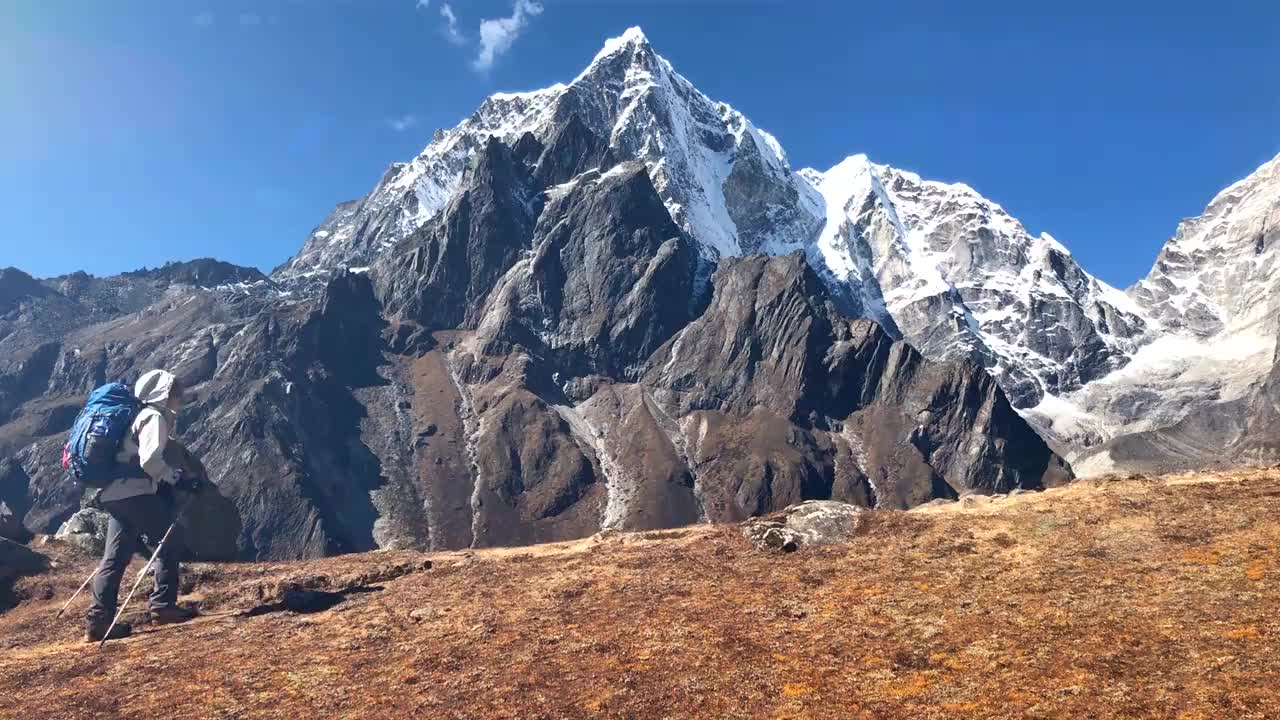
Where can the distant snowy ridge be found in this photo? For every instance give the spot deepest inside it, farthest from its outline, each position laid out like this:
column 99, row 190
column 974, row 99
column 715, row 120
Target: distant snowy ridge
column 1219, row 271
column 1211, row 300
column 958, row 276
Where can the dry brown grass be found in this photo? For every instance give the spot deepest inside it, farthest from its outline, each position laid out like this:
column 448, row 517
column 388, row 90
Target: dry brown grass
column 1134, row 597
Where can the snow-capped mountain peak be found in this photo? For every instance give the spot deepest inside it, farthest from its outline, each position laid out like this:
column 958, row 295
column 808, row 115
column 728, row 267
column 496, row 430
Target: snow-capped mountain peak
column 631, row 40
column 724, row 180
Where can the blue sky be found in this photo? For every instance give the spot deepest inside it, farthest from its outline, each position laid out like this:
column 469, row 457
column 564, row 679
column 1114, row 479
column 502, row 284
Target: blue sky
column 138, row 132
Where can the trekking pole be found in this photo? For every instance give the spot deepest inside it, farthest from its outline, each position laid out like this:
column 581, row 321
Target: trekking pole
column 88, row 580
column 136, row 583
column 93, row 503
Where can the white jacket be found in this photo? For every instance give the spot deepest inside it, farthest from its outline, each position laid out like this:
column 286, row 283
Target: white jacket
column 147, row 438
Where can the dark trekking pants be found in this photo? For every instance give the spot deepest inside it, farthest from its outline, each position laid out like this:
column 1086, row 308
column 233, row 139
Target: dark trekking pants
column 131, row 518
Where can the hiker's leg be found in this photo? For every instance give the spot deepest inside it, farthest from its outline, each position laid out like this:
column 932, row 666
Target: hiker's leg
column 159, row 514
column 121, row 541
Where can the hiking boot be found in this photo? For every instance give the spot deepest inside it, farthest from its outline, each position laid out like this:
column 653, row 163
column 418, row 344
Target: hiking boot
column 171, row 615
column 97, row 633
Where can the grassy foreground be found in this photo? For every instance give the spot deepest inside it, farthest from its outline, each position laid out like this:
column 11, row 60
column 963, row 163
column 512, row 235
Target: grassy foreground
column 1117, row 597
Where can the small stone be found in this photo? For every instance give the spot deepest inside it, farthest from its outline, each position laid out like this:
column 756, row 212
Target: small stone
column 424, row 614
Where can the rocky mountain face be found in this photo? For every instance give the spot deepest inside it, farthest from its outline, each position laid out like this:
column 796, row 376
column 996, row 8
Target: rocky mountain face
column 37, row 316
column 551, row 354
column 853, row 398
column 565, row 364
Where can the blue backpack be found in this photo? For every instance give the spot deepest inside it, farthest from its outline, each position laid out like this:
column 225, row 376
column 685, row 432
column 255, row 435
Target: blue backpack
column 98, row 434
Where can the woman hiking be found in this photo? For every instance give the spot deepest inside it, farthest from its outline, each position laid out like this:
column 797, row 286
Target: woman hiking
column 143, row 504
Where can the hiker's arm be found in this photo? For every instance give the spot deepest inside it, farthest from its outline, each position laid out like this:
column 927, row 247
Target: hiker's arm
column 178, row 456
column 152, row 438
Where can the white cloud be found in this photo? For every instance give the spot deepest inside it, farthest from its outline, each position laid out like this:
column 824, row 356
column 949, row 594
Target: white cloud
column 422, row 4
column 451, row 25
column 402, row 123
column 498, row 34
column 250, row 19
column 204, row 19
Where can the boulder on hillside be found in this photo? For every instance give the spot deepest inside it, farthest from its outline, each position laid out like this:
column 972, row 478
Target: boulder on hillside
column 814, row 522
column 87, row 530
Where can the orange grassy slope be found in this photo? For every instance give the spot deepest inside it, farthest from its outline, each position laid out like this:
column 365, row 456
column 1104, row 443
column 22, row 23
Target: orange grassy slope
column 1134, row 597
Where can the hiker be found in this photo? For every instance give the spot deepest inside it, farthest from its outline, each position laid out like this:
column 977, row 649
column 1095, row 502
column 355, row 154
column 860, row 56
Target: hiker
column 143, row 504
